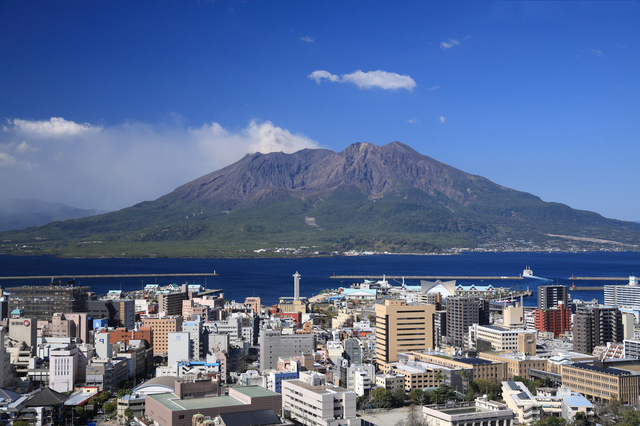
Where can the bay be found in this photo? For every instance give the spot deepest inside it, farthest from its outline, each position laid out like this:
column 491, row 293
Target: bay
column 272, row 278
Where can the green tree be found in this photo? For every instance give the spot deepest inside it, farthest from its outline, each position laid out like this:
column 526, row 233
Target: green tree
column 381, row 398
column 20, row 423
column 128, row 413
column 580, row 419
column 551, row 421
column 629, row 418
column 443, row 394
column 361, row 401
column 398, row 396
column 79, row 410
column 108, row 408
column 419, row 397
column 123, row 392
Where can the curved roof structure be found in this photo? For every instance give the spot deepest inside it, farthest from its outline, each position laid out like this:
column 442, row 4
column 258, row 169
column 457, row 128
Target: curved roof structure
column 157, row 385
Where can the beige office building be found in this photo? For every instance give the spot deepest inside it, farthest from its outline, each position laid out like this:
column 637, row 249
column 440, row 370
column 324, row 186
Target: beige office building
column 402, row 328
column 160, row 329
column 604, row 381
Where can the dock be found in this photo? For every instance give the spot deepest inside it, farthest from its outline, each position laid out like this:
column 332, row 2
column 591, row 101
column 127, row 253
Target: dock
column 47, row 277
column 586, row 288
column 422, row 277
column 598, row 278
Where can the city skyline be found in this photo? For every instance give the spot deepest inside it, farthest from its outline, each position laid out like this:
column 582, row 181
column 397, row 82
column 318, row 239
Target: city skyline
column 105, row 105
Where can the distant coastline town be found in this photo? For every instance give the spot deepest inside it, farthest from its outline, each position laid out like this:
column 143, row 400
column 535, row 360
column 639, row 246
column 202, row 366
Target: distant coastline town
column 373, row 353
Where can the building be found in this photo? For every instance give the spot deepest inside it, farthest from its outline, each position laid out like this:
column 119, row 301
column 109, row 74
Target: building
column 462, row 313
column 492, row 338
column 119, row 312
column 417, row 375
column 604, row 380
column 521, row 401
column 390, row 381
column 319, row 405
column 475, row 368
column 352, row 351
column 171, row 303
column 595, row 326
column 136, row 399
column 439, row 327
column 43, row 301
column 123, row 335
column 275, row 345
column 254, row 304
column 481, row 412
column 556, row 320
column 516, row 364
column 160, row 329
column 550, row 295
column 623, row 295
column 513, row 317
column 174, row 409
column 402, row 328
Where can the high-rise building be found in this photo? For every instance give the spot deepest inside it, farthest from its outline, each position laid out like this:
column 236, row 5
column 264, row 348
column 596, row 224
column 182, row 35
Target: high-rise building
column 557, row 320
column 596, row 326
column 42, row 301
column 550, row 295
column 402, row 328
column 171, row 303
column 274, row 345
column 119, row 312
column 439, row 327
column 463, row 312
column 623, row 295
column 352, row 351
column 160, row 329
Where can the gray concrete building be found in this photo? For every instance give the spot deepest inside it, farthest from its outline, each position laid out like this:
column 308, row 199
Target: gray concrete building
column 274, row 344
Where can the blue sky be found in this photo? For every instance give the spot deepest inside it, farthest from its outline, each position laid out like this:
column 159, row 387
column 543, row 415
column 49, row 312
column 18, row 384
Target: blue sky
column 105, row 104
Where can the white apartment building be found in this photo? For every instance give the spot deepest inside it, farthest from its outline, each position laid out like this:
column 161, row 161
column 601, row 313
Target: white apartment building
column 325, row 405
column 519, row 399
column 500, row 338
column 623, row 295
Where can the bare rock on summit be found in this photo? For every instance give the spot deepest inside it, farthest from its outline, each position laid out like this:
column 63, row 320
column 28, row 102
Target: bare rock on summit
column 377, row 170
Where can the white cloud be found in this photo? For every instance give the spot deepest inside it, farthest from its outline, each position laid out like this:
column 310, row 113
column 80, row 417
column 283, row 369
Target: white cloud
column 431, row 89
column 122, row 165
column 449, row 44
column 6, row 160
column 320, row 74
column 261, row 137
column 442, row 119
column 25, row 147
column 413, row 121
column 596, row 52
column 54, row 127
column 307, row 39
column 367, row 80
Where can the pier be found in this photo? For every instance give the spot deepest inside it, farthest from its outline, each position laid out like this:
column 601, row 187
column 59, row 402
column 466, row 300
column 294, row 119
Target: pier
column 586, row 288
column 599, row 278
column 422, row 277
column 47, row 277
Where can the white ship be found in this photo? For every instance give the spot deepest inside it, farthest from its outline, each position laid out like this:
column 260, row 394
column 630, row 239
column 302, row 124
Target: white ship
column 527, row 273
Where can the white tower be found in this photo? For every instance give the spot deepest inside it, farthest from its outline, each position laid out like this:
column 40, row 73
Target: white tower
column 296, row 286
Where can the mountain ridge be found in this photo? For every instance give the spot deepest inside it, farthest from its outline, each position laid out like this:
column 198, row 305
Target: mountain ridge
column 387, row 197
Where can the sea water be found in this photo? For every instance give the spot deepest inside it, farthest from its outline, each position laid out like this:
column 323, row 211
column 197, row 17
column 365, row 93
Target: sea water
column 273, row 278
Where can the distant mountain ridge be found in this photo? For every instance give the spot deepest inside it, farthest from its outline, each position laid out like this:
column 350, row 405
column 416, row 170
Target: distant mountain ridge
column 16, row 213
column 388, row 197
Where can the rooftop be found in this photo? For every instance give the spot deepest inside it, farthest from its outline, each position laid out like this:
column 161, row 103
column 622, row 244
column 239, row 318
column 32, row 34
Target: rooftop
column 613, row 371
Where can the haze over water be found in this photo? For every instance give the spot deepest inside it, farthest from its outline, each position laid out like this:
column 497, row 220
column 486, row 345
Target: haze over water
column 272, row 278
